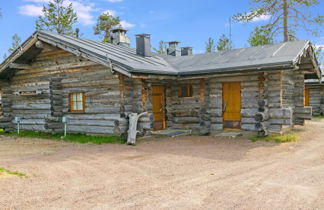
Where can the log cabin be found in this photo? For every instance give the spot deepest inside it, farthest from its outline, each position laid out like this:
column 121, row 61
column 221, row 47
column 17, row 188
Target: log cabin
column 314, row 95
column 97, row 85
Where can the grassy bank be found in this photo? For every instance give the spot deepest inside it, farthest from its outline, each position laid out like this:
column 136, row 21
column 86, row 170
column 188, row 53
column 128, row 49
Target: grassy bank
column 81, row 138
column 289, row 137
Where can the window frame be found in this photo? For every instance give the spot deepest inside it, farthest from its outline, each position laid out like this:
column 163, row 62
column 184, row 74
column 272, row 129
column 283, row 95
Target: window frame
column 189, row 91
column 71, row 102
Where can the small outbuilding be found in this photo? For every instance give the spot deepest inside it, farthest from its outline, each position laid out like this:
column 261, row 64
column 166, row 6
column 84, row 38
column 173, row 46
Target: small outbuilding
column 97, row 85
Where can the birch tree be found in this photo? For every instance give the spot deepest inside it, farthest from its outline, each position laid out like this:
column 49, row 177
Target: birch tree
column 210, row 45
column 260, row 36
column 162, row 49
column 16, row 40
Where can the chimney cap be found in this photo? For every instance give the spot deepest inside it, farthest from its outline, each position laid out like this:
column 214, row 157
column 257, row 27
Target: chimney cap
column 118, row 29
column 173, row 42
column 143, row 35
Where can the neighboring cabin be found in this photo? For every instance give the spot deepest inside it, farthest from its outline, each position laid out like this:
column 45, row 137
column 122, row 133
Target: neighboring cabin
column 314, row 95
column 96, row 85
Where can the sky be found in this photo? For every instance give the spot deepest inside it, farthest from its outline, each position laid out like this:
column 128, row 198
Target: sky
column 191, row 22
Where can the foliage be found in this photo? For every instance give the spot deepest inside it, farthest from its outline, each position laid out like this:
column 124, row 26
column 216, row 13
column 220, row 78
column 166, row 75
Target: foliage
column 15, row 43
column 289, row 137
column 16, row 173
column 261, row 35
column 224, row 43
column 81, row 138
column 319, row 116
column 104, row 24
column 57, row 18
column 319, row 51
column 162, row 49
column 210, row 45
column 286, row 16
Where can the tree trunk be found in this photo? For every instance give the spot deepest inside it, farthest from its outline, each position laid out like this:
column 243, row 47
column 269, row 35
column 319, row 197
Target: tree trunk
column 285, row 21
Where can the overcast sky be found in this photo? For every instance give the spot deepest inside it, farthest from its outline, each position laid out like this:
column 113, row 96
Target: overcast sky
column 191, row 22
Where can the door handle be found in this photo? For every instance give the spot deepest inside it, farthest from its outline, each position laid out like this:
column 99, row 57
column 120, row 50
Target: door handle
column 224, row 107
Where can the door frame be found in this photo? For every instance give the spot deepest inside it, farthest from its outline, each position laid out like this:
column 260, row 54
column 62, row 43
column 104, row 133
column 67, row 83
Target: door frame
column 307, row 96
column 164, row 124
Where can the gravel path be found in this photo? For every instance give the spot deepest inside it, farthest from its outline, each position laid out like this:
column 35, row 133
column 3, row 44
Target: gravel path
column 175, row 173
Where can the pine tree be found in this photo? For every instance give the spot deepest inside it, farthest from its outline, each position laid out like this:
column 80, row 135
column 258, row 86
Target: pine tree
column 57, row 18
column 286, row 16
column 260, row 36
column 104, row 24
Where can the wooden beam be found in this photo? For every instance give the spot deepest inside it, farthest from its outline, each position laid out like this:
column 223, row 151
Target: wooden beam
column 20, row 66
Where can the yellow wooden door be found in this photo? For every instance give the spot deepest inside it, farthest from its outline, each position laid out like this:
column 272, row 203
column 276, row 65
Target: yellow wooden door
column 158, row 103
column 232, row 104
column 306, row 96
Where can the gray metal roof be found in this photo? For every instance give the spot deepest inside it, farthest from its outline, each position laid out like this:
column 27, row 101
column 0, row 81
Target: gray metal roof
column 269, row 57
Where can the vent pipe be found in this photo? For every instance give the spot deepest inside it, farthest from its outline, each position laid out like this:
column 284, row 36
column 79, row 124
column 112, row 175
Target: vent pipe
column 77, row 31
column 143, row 45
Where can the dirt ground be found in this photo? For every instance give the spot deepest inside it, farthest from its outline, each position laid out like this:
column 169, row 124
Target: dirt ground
column 173, row 173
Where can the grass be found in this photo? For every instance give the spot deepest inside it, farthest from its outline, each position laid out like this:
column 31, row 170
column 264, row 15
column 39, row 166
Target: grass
column 81, row 138
column 15, row 173
column 289, row 137
column 319, row 116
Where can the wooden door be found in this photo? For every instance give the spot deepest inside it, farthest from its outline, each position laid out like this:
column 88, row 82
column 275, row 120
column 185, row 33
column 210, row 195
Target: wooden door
column 232, row 105
column 158, row 102
column 306, row 96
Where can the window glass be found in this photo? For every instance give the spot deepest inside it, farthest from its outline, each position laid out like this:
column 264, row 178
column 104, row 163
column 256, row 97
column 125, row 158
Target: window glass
column 77, row 102
column 185, row 91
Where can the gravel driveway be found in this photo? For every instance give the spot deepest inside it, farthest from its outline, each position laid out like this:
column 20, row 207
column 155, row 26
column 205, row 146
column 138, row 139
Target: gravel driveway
column 174, row 173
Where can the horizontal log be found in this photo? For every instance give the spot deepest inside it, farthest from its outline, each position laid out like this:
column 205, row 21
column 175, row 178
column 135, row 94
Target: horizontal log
column 284, row 113
column 19, row 66
column 90, row 129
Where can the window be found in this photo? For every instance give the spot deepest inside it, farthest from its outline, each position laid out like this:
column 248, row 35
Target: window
column 185, row 91
column 77, row 102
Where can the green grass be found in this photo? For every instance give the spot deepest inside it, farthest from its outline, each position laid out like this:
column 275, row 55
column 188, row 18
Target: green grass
column 81, row 138
column 289, row 137
column 16, row 173
column 319, row 116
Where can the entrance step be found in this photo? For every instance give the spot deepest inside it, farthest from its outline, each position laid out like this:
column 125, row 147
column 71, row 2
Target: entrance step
column 171, row 132
column 229, row 134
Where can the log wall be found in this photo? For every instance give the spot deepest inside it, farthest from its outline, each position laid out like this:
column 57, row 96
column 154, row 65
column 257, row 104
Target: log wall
column 110, row 97
column 56, row 74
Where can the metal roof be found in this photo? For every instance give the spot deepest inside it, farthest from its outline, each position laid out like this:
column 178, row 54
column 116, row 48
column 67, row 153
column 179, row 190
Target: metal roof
column 269, row 57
